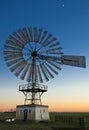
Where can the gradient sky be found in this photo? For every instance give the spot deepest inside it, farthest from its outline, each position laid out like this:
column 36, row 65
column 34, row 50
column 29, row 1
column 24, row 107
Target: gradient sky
column 68, row 21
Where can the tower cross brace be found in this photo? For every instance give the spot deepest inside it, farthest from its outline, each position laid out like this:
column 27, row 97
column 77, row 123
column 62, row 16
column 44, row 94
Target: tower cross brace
column 33, row 94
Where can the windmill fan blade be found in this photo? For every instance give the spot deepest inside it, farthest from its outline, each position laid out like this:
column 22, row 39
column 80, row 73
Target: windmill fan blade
column 23, row 37
column 25, row 72
column 14, row 44
column 52, row 52
column 51, row 68
column 35, row 34
column 13, row 68
column 78, row 61
column 19, row 38
column 30, row 33
column 44, row 73
column 43, row 36
column 12, row 52
column 10, row 57
column 47, row 70
column 59, row 62
column 55, row 44
column 20, row 68
column 54, row 49
column 13, row 61
column 49, row 42
column 39, row 74
column 15, row 40
column 39, row 35
column 46, row 40
column 54, row 64
column 12, row 48
column 26, row 34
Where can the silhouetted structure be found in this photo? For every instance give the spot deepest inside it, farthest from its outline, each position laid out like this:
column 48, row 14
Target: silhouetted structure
column 34, row 54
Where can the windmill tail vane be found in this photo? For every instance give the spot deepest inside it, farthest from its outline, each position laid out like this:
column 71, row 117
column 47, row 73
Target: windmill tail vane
column 78, row 61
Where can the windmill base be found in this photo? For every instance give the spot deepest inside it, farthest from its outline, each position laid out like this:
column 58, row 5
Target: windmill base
column 34, row 113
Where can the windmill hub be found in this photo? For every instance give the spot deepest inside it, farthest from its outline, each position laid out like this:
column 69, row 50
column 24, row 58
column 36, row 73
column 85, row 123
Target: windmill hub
column 34, row 54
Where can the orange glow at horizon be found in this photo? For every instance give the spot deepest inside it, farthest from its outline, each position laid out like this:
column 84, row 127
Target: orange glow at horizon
column 74, row 106
column 53, row 107
column 7, row 106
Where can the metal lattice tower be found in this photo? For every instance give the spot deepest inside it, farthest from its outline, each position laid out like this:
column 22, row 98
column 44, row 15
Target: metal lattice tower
column 33, row 92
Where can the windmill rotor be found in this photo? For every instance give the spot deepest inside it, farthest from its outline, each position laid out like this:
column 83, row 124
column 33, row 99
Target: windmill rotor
column 33, row 54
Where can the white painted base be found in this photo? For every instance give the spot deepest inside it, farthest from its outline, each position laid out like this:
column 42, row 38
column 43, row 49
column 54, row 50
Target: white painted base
column 32, row 112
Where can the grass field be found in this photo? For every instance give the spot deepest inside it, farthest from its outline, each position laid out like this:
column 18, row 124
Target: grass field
column 52, row 125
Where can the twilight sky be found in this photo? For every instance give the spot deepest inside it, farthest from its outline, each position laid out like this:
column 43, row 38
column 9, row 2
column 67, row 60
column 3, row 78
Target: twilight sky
column 68, row 21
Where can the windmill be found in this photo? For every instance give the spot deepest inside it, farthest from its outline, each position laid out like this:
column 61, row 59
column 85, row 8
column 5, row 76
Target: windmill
column 35, row 55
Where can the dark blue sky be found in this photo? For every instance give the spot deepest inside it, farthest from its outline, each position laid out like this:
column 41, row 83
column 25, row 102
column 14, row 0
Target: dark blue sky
column 69, row 23
column 67, row 20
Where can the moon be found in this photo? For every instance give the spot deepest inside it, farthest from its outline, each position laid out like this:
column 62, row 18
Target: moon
column 63, row 5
